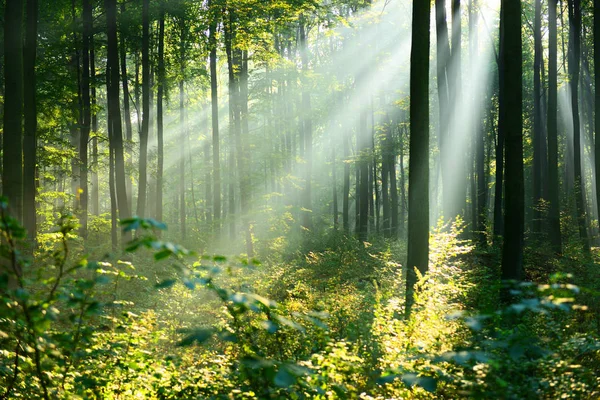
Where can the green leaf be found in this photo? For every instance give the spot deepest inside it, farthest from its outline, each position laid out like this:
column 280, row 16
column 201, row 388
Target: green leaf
column 284, row 379
column 167, row 283
column 198, row 336
column 161, row 255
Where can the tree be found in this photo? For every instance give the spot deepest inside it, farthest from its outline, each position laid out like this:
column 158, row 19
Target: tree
column 418, row 189
column 574, row 72
column 12, row 161
column 214, row 96
column 126, row 108
column 539, row 139
column 511, row 113
column 114, row 110
column 143, row 181
column 159, row 114
column 596, row 93
column 87, row 116
column 553, row 187
column 30, row 119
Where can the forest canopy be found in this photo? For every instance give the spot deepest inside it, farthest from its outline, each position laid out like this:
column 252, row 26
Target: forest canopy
column 249, row 199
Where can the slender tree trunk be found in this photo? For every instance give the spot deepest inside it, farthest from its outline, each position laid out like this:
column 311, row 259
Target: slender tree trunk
column 126, row 108
column 574, row 71
column 215, row 121
column 385, row 173
column 30, row 118
column 514, row 218
column 94, row 127
column 346, row 193
column 143, row 179
column 307, row 127
column 442, row 60
column 499, row 188
column 418, row 186
column 537, row 120
column 398, row 220
column 115, row 111
column 182, row 134
column 87, row 116
column 596, row 96
column 159, row 115
column 12, row 171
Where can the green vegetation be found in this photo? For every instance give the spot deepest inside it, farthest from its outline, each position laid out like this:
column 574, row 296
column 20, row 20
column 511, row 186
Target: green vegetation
column 328, row 323
column 299, row 199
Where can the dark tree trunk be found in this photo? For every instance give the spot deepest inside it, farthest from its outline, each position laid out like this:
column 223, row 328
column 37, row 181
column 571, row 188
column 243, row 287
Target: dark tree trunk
column 30, row 118
column 234, row 120
column 115, row 111
column 87, row 117
column 499, row 185
column 442, row 60
column 12, row 160
column 538, row 135
column 514, row 218
column 159, row 115
column 143, row 179
column 553, row 184
column 574, row 71
column 346, row 193
column 363, row 167
column 418, row 186
column 215, row 121
column 596, row 96
column 95, row 183
column 126, row 108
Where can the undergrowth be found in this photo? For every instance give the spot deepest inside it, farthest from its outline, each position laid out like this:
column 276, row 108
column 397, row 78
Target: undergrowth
column 324, row 321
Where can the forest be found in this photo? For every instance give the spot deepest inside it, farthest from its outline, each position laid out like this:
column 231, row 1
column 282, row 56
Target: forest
column 300, row 199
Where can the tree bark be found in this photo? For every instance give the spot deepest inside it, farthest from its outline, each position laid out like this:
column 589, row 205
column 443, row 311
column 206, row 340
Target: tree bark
column 143, row 161
column 115, row 111
column 30, row 118
column 12, row 160
column 418, row 187
column 215, row 121
column 574, row 71
column 159, row 115
column 514, row 218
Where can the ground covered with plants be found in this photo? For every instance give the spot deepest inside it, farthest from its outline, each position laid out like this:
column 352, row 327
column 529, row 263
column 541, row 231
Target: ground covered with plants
column 321, row 317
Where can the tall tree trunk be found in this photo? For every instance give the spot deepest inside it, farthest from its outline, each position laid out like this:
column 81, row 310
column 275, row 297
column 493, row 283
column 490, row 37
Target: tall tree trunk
column 499, row 185
column 596, row 96
column 386, row 155
column 243, row 132
column 115, row 111
column 30, row 118
column 159, row 115
column 126, row 108
column 214, row 96
column 87, row 116
column 234, row 118
column 362, row 135
column 442, row 60
column 514, row 218
column 346, row 193
column 418, row 186
column 182, row 134
column 538, row 135
column 143, row 180
column 95, row 183
column 12, row 160
column 481, row 191
column 307, row 126
column 574, row 71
